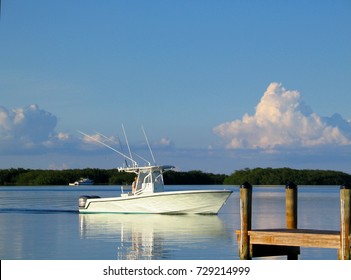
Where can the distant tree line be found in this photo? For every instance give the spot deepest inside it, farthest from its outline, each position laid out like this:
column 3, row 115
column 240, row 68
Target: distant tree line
column 37, row 177
column 280, row 176
column 194, row 177
column 256, row 176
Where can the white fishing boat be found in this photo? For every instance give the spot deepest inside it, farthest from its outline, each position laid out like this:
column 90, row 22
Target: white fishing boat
column 149, row 197
column 82, row 181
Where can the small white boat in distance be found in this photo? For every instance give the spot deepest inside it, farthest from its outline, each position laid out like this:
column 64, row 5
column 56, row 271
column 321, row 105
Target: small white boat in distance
column 82, row 181
column 149, row 197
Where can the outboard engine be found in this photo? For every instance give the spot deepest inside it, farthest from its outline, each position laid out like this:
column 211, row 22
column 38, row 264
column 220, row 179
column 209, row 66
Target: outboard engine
column 83, row 200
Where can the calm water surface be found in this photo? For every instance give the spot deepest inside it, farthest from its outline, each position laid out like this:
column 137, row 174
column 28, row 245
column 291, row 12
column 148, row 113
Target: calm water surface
column 44, row 223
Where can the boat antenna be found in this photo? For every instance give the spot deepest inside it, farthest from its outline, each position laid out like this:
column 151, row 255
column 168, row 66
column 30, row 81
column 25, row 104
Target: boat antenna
column 102, row 143
column 130, row 153
column 148, row 144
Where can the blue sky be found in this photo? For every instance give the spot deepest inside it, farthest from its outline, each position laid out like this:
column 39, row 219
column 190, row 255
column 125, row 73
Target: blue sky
column 217, row 85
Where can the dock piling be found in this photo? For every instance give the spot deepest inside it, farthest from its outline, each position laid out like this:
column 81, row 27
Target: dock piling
column 345, row 211
column 291, row 212
column 245, row 220
column 291, row 205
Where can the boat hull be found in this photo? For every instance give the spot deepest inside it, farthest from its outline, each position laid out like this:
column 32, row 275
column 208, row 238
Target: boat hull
column 177, row 202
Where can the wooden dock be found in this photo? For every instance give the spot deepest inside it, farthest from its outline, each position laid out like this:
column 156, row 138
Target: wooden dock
column 287, row 241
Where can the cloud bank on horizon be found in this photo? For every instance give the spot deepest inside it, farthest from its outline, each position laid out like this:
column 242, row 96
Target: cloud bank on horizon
column 282, row 120
column 29, row 130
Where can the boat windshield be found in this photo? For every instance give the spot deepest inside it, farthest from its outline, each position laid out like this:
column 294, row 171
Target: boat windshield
column 149, row 177
column 157, row 177
column 143, row 178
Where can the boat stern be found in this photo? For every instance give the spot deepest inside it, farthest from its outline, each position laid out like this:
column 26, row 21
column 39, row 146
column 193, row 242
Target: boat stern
column 83, row 200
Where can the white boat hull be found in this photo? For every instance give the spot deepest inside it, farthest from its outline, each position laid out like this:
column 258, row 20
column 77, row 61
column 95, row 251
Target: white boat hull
column 176, row 202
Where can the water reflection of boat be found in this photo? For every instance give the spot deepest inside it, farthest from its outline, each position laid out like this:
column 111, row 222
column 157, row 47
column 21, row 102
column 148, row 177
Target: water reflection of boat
column 149, row 236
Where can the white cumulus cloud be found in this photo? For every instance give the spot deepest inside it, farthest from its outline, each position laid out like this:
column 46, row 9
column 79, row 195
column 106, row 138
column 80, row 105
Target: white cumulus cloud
column 282, row 119
column 28, row 129
column 164, row 142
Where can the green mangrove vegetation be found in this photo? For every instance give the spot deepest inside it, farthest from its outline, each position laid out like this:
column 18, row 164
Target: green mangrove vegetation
column 280, row 176
column 256, row 176
column 35, row 177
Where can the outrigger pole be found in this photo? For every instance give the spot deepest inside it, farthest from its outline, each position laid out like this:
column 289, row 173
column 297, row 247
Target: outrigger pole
column 130, row 153
column 135, row 164
column 120, row 145
column 148, row 144
column 139, row 156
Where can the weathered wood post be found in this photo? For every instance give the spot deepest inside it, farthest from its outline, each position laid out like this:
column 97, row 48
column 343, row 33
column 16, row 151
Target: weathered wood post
column 245, row 220
column 345, row 220
column 291, row 205
column 291, row 211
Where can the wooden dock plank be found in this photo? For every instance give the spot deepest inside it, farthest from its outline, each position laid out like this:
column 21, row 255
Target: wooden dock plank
column 296, row 237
